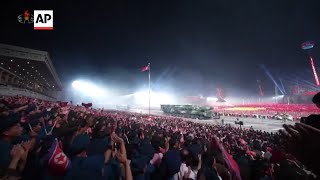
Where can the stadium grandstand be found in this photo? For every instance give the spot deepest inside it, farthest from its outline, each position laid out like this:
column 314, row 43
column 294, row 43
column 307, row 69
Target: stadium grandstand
column 28, row 72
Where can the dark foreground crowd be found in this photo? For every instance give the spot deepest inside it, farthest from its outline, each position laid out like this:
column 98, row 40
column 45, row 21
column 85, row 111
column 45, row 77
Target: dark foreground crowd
column 46, row 140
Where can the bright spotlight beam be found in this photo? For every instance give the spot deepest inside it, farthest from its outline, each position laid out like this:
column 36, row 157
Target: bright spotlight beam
column 88, row 89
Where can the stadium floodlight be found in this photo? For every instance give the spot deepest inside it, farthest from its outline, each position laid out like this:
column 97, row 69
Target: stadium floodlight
column 212, row 99
column 88, row 89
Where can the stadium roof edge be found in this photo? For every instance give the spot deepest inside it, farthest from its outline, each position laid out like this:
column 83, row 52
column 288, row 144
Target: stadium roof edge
column 32, row 54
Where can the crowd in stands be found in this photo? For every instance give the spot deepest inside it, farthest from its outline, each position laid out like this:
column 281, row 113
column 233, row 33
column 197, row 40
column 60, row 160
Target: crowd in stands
column 271, row 111
column 56, row 140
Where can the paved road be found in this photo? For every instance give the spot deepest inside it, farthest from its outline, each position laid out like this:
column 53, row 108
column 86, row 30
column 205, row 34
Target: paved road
column 259, row 124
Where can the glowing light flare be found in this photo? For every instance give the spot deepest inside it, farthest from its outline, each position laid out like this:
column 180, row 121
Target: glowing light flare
column 307, row 45
column 277, row 97
column 88, row 89
column 212, row 99
column 314, row 71
column 156, row 98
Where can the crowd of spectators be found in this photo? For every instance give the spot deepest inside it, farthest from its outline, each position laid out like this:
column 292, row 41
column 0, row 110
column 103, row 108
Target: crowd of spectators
column 270, row 111
column 56, row 140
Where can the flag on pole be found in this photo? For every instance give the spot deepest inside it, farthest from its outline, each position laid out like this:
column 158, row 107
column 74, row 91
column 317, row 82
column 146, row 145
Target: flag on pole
column 87, row 105
column 145, row 68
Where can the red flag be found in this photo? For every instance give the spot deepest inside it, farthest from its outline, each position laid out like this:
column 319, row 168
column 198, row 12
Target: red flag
column 231, row 163
column 58, row 163
column 87, row 105
column 63, row 104
column 145, row 68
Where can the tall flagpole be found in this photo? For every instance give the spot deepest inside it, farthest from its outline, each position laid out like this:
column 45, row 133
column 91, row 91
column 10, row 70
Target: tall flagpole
column 149, row 85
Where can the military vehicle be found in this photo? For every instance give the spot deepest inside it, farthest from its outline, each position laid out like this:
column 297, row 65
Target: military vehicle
column 282, row 116
column 189, row 111
column 123, row 107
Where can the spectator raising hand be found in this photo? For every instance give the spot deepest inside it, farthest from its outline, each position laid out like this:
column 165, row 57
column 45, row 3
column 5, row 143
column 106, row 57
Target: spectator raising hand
column 303, row 142
column 115, row 138
column 156, row 159
column 166, row 143
column 126, row 163
column 17, row 152
column 28, row 145
column 118, row 140
column 33, row 134
column 121, row 158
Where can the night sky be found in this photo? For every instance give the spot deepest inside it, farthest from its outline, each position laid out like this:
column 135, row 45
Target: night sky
column 193, row 46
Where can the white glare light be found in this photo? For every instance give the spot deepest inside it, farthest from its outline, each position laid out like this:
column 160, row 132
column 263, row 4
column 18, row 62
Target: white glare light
column 88, row 89
column 212, row 99
column 278, row 97
column 156, row 98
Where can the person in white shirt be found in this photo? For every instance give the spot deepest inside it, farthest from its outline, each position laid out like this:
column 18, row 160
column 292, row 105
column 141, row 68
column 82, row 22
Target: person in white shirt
column 186, row 171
